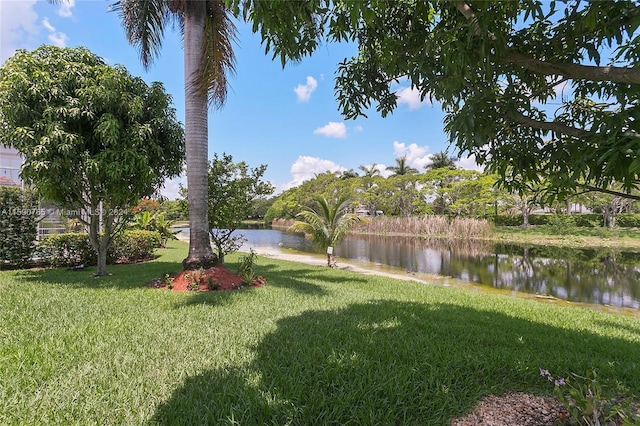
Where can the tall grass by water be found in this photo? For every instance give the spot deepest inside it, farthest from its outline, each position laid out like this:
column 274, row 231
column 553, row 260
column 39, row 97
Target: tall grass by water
column 428, row 226
column 425, row 226
column 315, row 346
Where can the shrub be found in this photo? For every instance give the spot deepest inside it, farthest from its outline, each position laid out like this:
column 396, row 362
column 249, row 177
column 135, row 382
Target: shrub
column 75, row 249
column 66, row 250
column 133, row 246
column 18, row 212
column 628, row 220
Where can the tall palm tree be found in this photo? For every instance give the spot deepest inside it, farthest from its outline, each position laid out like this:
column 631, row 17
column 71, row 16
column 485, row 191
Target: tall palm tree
column 327, row 226
column 441, row 159
column 402, row 168
column 371, row 171
column 208, row 34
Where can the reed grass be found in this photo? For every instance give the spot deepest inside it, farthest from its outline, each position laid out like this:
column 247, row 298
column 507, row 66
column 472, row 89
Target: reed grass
column 428, row 226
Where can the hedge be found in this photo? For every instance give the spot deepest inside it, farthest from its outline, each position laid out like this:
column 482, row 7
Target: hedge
column 18, row 226
column 623, row 220
column 75, row 249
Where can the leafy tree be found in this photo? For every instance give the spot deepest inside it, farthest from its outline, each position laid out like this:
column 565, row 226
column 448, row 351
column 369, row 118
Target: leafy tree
column 609, row 205
column 174, row 210
column 327, row 184
column 208, row 34
column 18, row 225
column 94, row 138
column 233, row 187
column 146, row 205
column 497, row 68
column 402, row 168
column 326, row 225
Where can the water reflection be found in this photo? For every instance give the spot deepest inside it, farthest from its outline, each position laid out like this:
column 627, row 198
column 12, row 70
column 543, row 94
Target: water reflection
column 588, row 276
column 595, row 276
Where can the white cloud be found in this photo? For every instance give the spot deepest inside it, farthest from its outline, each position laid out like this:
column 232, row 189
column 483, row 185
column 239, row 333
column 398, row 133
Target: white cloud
column 18, row 26
column 47, row 25
column 171, row 188
column 307, row 167
column 469, row 163
column 65, row 8
column 332, row 130
column 304, row 91
column 417, row 156
column 358, row 129
column 411, row 97
column 58, row 39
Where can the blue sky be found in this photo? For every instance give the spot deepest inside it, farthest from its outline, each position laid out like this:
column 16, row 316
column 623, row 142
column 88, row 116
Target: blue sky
column 285, row 118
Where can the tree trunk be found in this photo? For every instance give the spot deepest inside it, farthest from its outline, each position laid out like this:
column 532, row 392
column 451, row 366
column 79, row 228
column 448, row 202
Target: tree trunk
column 196, row 126
column 525, row 216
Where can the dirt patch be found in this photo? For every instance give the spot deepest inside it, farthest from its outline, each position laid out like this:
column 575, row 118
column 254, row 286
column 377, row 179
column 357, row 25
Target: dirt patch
column 218, row 278
column 515, row 408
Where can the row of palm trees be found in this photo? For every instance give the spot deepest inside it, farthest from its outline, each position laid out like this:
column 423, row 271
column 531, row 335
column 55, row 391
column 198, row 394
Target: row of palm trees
column 439, row 160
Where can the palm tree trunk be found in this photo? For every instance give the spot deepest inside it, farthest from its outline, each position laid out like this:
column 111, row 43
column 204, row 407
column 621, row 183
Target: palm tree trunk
column 196, row 126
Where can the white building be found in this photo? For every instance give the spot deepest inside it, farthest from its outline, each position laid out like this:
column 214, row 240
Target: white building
column 10, row 164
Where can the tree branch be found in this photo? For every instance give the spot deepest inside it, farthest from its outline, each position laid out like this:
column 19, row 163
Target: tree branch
column 567, row 70
column 553, row 126
column 610, row 192
column 573, row 71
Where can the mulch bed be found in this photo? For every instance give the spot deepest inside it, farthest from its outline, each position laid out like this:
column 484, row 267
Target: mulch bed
column 218, row 278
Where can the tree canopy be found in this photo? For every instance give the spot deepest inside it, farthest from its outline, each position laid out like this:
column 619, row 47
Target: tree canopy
column 533, row 89
column 94, row 138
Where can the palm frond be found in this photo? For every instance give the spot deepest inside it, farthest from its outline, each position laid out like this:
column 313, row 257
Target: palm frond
column 144, row 22
column 217, row 58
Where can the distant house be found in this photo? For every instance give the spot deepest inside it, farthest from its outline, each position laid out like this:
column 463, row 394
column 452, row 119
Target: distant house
column 10, row 164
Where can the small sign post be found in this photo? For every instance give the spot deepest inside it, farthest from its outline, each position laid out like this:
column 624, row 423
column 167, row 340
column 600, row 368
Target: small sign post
column 329, row 255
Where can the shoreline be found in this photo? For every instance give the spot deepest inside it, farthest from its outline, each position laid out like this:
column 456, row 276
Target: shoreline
column 345, row 265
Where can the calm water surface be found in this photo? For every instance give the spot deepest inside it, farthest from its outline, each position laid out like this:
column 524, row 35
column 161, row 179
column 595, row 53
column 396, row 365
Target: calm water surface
column 601, row 277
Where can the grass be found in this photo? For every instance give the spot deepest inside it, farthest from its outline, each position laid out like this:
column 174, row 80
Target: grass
column 622, row 238
column 314, row 346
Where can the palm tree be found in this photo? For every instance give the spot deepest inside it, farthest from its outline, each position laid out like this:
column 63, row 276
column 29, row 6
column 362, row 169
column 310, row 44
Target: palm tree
column 402, row 168
column 371, row 171
column 208, row 34
column 327, row 226
column 441, row 159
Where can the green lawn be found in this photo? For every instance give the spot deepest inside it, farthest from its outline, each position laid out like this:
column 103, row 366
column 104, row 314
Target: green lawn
column 315, row 346
column 570, row 236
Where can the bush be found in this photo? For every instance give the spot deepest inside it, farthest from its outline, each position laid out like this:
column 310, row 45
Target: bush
column 66, row 250
column 75, row 249
column 133, row 246
column 628, row 220
column 18, row 213
column 589, row 220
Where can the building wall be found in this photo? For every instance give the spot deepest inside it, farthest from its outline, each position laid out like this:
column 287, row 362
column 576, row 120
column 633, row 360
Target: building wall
column 10, row 164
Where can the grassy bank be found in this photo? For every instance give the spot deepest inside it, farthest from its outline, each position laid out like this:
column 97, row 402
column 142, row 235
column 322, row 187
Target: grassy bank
column 315, row 346
column 622, row 238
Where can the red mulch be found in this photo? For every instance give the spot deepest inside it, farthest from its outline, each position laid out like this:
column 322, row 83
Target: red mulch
column 218, row 278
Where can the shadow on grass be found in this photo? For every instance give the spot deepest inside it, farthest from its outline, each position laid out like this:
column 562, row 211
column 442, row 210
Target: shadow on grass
column 303, row 280
column 391, row 362
column 120, row 276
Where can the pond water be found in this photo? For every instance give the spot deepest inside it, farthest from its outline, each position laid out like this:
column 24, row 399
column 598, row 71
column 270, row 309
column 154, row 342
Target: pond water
column 592, row 276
